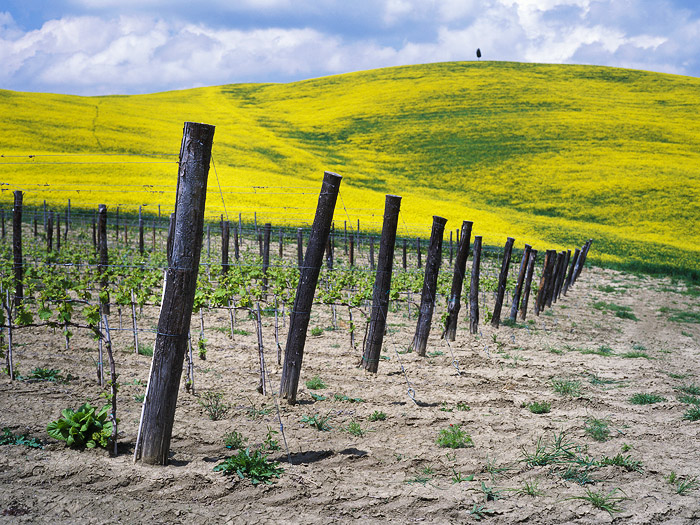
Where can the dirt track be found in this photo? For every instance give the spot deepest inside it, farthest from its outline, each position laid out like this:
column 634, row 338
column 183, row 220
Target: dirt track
column 396, row 472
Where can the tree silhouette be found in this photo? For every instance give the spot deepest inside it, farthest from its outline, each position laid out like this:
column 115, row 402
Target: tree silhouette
column 478, row 53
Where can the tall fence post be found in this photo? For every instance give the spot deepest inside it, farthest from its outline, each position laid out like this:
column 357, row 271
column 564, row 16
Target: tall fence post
column 502, row 281
column 382, row 285
column 528, row 284
column 140, row 232
column 158, row 412
column 300, row 248
column 301, row 312
column 267, row 231
column 103, row 257
column 17, row 247
column 453, row 305
column 427, row 300
column 474, row 287
column 225, row 236
column 519, row 284
column 574, row 260
column 548, row 267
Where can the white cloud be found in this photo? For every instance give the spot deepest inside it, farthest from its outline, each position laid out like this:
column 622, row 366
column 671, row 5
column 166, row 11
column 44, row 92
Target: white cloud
column 140, row 53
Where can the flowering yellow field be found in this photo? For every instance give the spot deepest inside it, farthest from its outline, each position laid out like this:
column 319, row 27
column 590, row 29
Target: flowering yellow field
column 548, row 154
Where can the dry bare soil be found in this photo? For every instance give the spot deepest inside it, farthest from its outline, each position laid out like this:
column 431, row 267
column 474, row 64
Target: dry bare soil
column 395, row 472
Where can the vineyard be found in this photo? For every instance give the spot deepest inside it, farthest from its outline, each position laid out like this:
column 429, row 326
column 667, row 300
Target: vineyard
column 583, row 411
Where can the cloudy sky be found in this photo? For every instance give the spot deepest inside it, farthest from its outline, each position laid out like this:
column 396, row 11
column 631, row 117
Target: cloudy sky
column 93, row 47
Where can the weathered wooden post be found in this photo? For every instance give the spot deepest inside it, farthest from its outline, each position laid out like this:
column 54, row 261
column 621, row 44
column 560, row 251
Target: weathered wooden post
column 94, row 231
column 301, row 312
column 519, row 284
column 17, row 247
column 528, row 284
column 574, row 259
column 236, row 248
column 451, row 248
column 551, row 284
column 582, row 259
column 474, row 287
column 371, row 253
column 267, row 231
column 352, row 251
column 171, row 236
column 453, row 305
column 540, row 300
column 116, row 226
column 427, row 300
column 502, row 281
column 403, row 260
column 281, row 243
column 382, row 285
column 419, row 262
column 158, row 412
column 103, row 257
column 562, row 275
column 225, row 236
column 58, row 232
column 300, row 248
column 49, row 233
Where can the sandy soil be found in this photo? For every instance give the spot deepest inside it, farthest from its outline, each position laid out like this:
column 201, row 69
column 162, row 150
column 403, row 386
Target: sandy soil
column 396, row 472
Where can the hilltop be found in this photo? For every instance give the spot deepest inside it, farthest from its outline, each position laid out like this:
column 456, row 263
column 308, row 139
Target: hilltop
column 548, row 154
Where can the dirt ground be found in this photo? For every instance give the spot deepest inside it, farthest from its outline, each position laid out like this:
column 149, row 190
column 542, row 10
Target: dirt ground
column 396, row 472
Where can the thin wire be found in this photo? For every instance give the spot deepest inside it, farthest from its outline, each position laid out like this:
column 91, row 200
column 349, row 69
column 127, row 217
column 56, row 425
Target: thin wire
column 223, row 202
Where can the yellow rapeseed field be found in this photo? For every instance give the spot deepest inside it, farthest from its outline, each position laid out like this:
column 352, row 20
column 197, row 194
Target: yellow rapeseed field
column 548, row 154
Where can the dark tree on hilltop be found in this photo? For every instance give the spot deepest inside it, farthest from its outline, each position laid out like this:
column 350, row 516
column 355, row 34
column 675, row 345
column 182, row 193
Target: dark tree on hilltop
column 478, row 53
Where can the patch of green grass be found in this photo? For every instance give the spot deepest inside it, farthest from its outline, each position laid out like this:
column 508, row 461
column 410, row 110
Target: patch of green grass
column 683, row 484
column 684, row 316
column 634, row 354
column 422, row 477
column 254, row 412
column 692, row 414
column 689, row 400
column 609, row 502
column 480, row 512
column 625, row 462
column 566, row 387
column 595, row 380
column 315, row 383
column 539, row 407
column 240, row 331
column 558, row 450
column 623, row 312
column 604, row 351
column 598, row 429
column 317, row 397
column 436, row 353
column 377, row 416
column 529, row 488
column 491, row 493
column 692, row 390
column 341, row 397
column 644, row 398
column 454, row 437
column 316, row 331
column 145, row 350
column 458, row 477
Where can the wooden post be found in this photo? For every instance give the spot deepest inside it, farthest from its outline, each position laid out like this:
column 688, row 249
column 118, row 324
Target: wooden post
column 453, row 305
column 103, row 257
column 17, row 247
column 540, row 300
column 420, row 265
column 158, row 415
column 116, row 226
column 403, row 260
column 451, row 249
column 427, row 300
column 502, row 280
column 569, row 277
column 94, row 232
column 225, row 235
column 267, row 231
column 300, row 248
column 345, row 237
column 46, row 218
column 582, row 259
column 140, row 232
column 281, row 243
column 58, row 232
column 301, row 312
column 551, row 283
column 528, row 284
column 519, row 284
column 2, row 220
column 236, row 247
column 352, row 251
column 382, row 285
column 371, row 253
column 36, row 231
column 474, row 288
column 154, row 235
column 171, row 237
column 562, row 277
column 560, row 273
column 49, row 233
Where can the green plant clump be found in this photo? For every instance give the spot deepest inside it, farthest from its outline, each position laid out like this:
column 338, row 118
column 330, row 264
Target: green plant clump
column 598, row 429
column 567, row 387
column 234, row 440
column 692, row 414
column 454, row 437
column 539, row 407
column 643, row 398
column 8, row 438
column 315, row 383
column 377, row 416
column 254, row 466
column 85, row 427
column 214, row 406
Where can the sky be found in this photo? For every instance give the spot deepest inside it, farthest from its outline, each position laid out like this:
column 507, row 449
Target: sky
column 100, row 47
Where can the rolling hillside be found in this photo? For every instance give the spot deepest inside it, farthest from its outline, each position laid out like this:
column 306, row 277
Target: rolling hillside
column 548, row 154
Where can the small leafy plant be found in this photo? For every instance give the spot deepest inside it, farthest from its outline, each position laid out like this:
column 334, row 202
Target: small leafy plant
column 316, row 331
column 253, row 465
column 202, row 348
column 355, row 429
column 85, row 427
column 48, row 374
column 214, row 406
column 609, row 502
column 598, row 429
column 315, row 383
column 539, row 407
column 454, row 437
column 377, row 416
column 692, row 414
column 317, row 421
column 567, row 387
column 8, row 438
column 234, row 440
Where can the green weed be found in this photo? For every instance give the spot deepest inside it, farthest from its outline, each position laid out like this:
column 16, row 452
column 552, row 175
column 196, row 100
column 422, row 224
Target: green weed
column 254, row 466
column 454, row 437
column 598, row 429
column 643, row 398
column 315, row 383
column 214, row 405
column 567, row 387
column 539, row 407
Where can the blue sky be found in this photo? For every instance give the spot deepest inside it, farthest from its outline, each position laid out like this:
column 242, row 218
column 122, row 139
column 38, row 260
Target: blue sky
column 95, row 47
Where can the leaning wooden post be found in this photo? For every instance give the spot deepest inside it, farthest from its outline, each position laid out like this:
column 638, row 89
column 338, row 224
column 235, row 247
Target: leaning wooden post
column 103, row 257
column 574, row 259
column 17, row 247
column 582, row 259
column 382, row 285
column 540, row 300
column 427, row 300
column 528, row 284
column 301, row 312
column 267, row 231
column 552, row 283
column 158, row 413
column 562, row 276
column 225, row 235
column 474, row 287
column 502, row 280
column 519, row 284
column 453, row 305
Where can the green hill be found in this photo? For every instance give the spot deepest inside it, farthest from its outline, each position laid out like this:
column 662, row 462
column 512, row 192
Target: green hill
column 548, row 154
